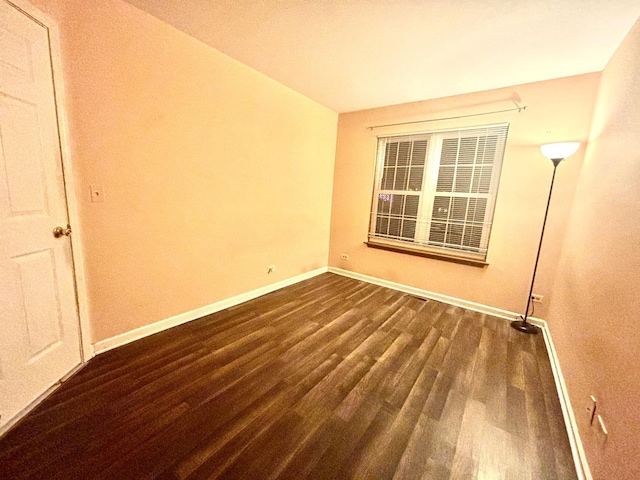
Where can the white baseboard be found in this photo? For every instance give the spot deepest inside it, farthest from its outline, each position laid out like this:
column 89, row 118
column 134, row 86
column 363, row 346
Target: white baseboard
column 138, row 333
column 579, row 456
column 458, row 302
column 577, row 450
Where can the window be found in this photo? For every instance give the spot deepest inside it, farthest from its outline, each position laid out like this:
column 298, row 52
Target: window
column 435, row 192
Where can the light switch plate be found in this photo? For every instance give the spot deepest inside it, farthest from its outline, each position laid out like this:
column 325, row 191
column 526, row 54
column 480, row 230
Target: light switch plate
column 97, row 193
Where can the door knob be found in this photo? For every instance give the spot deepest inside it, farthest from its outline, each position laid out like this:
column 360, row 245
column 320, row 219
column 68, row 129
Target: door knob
column 60, row 231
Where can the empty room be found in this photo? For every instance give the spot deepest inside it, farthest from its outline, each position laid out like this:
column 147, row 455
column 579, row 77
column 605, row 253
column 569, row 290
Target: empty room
column 331, row 239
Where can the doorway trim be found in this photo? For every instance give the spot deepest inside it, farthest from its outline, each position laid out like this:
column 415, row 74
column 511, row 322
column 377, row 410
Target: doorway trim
column 72, row 192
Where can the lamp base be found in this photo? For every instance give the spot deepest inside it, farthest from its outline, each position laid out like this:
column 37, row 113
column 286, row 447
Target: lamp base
column 525, row 327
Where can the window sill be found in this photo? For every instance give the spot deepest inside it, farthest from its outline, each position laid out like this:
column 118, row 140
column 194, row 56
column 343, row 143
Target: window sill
column 423, row 253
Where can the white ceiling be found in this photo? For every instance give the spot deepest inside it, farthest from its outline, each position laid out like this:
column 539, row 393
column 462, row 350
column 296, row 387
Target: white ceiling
column 356, row 54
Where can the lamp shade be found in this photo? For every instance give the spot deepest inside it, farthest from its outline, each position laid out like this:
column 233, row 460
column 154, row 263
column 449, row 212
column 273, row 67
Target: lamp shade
column 559, row 151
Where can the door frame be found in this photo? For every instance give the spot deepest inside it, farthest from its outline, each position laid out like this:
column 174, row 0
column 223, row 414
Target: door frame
column 72, row 192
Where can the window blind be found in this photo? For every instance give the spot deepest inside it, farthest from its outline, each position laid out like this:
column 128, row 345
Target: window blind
column 437, row 190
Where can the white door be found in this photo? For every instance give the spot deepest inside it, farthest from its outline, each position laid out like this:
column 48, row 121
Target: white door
column 39, row 328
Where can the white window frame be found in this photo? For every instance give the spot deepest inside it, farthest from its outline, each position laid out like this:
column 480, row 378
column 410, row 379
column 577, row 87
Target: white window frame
column 428, row 193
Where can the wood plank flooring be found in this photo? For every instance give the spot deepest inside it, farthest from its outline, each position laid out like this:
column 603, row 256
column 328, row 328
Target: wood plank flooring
column 328, row 378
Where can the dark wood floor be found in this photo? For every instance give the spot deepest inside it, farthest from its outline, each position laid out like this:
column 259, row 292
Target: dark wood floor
column 329, row 378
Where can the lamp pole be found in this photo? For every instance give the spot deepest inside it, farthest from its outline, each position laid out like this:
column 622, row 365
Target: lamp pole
column 523, row 325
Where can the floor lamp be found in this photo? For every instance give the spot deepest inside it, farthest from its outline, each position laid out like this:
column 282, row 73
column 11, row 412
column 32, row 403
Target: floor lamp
column 556, row 152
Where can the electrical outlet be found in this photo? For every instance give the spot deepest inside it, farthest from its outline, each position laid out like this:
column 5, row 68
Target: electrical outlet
column 536, row 298
column 271, row 268
column 344, row 256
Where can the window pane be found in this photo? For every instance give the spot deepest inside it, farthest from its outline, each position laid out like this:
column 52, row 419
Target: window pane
column 441, row 208
column 454, row 234
column 387, row 178
column 483, row 180
column 472, row 236
column 411, row 206
column 409, row 229
column 403, row 153
column 487, row 149
column 477, row 208
column 458, row 209
column 482, row 144
column 394, row 227
column 482, row 173
column 445, row 179
column 402, row 174
column 415, row 178
column 437, row 231
column 382, row 225
column 391, row 154
column 419, row 153
column 384, row 203
column 449, row 153
column 397, row 204
column 463, row 179
column 468, row 148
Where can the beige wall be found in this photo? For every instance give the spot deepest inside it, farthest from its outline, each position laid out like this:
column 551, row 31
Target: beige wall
column 211, row 170
column 594, row 314
column 557, row 110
